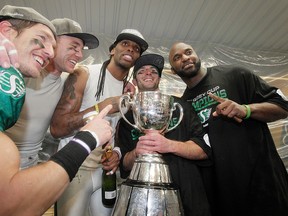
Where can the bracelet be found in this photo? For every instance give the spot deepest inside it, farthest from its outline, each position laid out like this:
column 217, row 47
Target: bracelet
column 96, row 108
column 248, row 111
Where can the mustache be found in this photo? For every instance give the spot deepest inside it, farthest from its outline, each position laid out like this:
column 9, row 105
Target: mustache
column 188, row 63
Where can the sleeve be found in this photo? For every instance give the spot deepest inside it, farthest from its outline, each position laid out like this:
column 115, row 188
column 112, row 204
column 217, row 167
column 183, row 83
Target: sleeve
column 195, row 131
column 258, row 90
column 12, row 96
column 199, row 136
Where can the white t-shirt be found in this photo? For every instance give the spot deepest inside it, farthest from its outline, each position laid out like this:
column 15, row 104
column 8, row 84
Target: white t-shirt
column 42, row 96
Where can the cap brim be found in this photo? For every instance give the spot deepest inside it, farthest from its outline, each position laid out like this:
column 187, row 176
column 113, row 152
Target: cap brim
column 89, row 40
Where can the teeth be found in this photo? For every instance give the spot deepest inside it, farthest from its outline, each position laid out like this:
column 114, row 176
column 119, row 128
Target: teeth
column 39, row 60
column 73, row 62
column 148, row 80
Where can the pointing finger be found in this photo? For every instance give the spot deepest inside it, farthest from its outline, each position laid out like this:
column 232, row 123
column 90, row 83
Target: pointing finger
column 216, row 98
column 105, row 111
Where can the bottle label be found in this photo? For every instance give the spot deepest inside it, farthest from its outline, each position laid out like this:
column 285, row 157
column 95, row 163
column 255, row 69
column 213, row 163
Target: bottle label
column 110, row 194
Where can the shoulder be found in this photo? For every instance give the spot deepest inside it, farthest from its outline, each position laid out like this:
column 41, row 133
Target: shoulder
column 230, row 69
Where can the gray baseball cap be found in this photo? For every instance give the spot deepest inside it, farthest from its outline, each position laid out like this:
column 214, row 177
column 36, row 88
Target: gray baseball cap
column 133, row 35
column 65, row 26
column 25, row 13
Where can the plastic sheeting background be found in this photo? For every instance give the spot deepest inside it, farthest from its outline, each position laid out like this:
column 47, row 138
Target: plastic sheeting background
column 271, row 66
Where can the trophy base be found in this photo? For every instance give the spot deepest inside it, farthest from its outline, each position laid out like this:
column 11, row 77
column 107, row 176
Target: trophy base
column 148, row 190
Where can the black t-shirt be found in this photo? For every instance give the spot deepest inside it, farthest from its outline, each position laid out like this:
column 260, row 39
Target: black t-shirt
column 250, row 178
column 185, row 173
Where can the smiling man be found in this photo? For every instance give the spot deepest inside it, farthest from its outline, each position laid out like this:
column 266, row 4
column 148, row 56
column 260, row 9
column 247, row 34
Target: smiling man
column 85, row 91
column 43, row 92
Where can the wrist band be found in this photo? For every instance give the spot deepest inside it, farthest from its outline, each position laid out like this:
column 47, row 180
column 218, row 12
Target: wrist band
column 83, row 144
column 96, row 108
column 71, row 156
column 118, row 151
column 248, row 111
column 95, row 136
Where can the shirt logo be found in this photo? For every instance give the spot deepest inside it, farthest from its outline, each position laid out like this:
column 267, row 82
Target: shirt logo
column 11, row 84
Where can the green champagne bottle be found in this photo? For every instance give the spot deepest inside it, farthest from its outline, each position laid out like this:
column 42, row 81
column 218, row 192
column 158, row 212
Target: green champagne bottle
column 109, row 190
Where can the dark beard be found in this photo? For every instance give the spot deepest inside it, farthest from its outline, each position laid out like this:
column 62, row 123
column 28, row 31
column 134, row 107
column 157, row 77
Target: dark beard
column 190, row 73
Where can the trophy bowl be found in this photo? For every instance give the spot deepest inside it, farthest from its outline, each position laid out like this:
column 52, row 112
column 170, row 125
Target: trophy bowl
column 152, row 110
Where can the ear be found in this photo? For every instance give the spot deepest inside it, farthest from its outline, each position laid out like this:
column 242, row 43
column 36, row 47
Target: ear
column 172, row 70
column 6, row 30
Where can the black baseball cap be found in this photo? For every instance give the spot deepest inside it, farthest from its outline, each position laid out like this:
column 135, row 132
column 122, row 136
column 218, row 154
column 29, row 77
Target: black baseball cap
column 149, row 59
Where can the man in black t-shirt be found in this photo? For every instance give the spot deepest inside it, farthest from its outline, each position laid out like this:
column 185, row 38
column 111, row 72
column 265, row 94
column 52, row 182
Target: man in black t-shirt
column 234, row 106
column 184, row 149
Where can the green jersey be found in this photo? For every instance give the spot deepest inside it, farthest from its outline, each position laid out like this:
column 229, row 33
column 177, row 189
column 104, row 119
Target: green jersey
column 12, row 96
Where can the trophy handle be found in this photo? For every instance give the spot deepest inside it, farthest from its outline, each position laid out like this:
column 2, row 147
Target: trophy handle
column 175, row 105
column 126, row 97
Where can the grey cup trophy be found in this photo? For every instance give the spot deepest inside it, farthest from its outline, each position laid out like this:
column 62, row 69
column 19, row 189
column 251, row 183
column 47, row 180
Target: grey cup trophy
column 149, row 189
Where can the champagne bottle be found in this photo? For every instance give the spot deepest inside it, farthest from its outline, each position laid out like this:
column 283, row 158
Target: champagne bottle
column 108, row 183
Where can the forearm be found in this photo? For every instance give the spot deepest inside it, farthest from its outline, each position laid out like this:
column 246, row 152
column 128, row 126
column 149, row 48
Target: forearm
column 267, row 112
column 31, row 191
column 68, row 124
column 188, row 150
column 35, row 190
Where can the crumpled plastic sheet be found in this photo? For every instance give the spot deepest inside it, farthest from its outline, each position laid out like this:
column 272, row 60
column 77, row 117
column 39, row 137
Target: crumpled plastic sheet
column 271, row 66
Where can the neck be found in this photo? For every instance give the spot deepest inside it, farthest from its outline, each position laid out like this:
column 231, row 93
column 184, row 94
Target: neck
column 51, row 69
column 116, row 71
column 193, row 81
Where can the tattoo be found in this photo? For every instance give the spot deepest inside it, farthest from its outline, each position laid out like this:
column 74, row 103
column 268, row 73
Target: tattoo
column 72, row 79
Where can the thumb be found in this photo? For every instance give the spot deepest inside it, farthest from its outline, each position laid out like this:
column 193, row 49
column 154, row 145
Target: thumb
column 104, row 111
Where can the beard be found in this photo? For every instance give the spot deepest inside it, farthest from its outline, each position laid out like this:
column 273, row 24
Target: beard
column 191, row 72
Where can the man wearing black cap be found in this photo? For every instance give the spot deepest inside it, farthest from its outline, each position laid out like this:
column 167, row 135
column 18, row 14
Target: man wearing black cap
column 43, row 93
column 32, row 191
column 184, row 148
column 90, row 91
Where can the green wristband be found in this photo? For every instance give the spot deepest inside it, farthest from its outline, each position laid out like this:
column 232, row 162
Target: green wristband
column 248, row 111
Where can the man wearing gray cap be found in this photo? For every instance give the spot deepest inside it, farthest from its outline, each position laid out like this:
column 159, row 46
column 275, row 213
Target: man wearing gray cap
column 43, row 93
column 32, row 191
column 103, row 86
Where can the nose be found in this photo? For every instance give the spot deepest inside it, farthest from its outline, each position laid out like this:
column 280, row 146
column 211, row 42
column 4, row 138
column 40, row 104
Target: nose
column 49, row 51
column 185, row 57
column 148, row 71
column 79, row 54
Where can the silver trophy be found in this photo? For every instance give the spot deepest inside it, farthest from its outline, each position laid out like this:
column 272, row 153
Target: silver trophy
column 149, row 189
column 152, row 110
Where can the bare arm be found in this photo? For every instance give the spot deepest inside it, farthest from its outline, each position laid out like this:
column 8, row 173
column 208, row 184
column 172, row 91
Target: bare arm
column 66, row 118
column 265, row 112
column 156, row 142
column 32, row 191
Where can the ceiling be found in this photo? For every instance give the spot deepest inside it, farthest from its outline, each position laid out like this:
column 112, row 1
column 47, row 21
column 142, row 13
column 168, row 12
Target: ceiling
column 246, row 24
